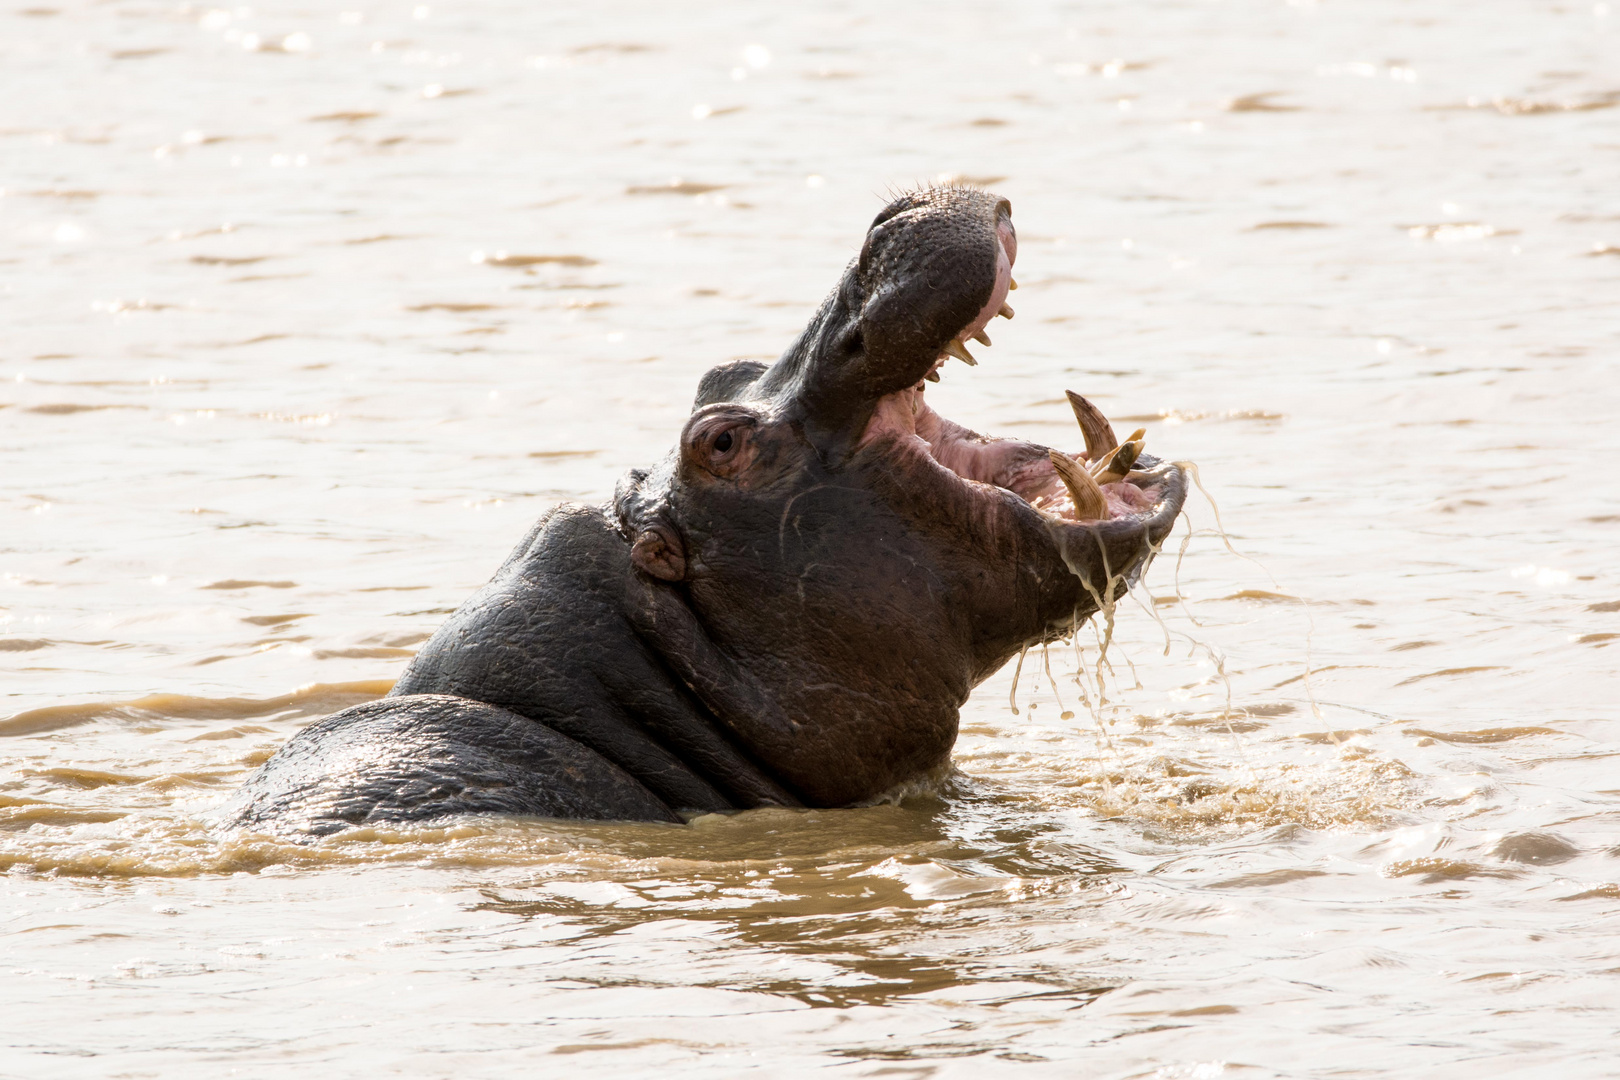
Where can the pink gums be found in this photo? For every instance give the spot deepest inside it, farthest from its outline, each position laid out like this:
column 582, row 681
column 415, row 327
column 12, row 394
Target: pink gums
column 1022, row 468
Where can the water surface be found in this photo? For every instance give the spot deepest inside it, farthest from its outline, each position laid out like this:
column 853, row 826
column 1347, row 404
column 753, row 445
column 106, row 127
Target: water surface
column 310, row 313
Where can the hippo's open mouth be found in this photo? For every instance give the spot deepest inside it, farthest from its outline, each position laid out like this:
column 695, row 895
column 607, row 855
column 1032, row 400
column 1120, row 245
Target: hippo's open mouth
column 1107, row 480
column 1110, row 479
column 1102, row 483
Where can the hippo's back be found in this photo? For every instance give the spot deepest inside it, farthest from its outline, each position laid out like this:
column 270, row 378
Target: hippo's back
column 426, row 756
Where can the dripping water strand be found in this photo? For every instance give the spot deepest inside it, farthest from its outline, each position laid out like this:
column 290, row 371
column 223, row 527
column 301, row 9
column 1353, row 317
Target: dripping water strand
column 1310, row 618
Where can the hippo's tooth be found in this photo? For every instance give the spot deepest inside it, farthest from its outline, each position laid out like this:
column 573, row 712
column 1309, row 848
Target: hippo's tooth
column 1114, row 468
column 1012, row 284
column 1006, row 311
column 982, row 338
column 1098, row 431
column 957, row 349
column 1118, row 461
column 932, row 376
column 1089, row 502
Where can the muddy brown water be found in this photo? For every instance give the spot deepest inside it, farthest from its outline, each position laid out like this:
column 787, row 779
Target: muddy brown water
column 309, row 313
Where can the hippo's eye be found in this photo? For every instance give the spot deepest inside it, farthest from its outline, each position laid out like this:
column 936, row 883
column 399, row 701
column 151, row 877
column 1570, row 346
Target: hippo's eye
column 721, row 444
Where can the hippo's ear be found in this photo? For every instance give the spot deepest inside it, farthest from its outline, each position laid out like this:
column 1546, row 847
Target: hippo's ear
column 726, row 382
column 658, row 552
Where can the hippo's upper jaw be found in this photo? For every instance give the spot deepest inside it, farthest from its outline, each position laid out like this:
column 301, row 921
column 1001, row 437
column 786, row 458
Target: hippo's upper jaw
column 935, row 268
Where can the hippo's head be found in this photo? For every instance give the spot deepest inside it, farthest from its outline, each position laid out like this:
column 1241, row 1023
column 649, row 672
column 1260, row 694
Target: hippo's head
column 865, row 560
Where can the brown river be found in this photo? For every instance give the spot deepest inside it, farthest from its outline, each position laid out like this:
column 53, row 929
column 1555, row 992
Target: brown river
column 309, row 312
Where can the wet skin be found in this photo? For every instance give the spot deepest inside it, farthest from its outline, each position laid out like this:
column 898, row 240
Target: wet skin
column 788, row 610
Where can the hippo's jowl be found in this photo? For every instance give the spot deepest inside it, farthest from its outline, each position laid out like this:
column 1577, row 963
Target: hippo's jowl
column 788, row 610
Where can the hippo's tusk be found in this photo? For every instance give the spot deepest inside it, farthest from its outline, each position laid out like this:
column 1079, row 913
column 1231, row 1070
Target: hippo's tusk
column 982, row 338
column 1006, row 311
column 1099, row 432
column 932, row 376
column 1089, row 501
column 957, row 349
column 1120, row 462
column 1012, row 284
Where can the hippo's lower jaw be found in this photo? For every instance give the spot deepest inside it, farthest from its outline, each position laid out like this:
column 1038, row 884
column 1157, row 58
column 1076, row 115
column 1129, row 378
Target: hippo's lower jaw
column 1106, row 508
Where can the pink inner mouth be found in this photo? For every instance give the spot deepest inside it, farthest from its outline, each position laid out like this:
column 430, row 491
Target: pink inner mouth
column 1020, row 467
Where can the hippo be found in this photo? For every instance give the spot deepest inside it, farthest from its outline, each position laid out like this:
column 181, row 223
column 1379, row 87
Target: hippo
column 788, row 610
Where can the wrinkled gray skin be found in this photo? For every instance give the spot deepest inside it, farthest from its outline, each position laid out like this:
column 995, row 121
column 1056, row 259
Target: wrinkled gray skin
column 788, row 610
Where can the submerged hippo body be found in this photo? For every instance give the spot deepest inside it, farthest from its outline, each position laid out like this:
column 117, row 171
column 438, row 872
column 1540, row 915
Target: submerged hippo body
column 788, row 610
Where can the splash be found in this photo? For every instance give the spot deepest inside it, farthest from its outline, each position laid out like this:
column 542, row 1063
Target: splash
column 1167, row 792
column 1153, row 773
